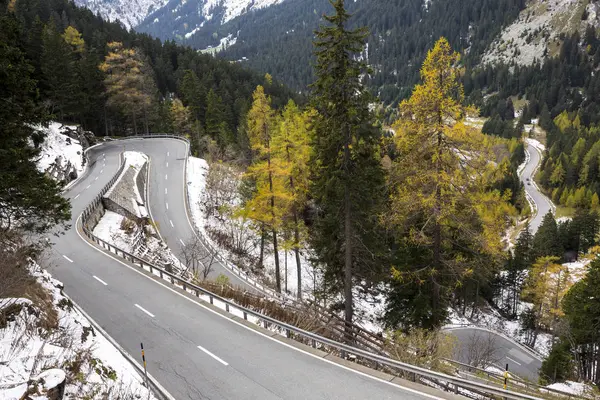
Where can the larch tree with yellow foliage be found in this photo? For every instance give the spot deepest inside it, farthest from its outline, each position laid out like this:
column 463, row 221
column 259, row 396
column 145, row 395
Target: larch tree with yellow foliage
column 445, row 218
column 129, row 86
column 291, row 144
column 270, row 201
column 545, row 287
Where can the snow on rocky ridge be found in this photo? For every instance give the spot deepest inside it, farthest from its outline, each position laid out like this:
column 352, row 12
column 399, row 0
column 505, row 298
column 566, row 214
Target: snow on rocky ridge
column 535, row 34
column 235, row 8
column 129, row 12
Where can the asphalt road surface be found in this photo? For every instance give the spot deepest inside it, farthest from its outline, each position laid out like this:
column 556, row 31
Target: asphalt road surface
column 542, row 202
column 194, row 352
column 521, row 361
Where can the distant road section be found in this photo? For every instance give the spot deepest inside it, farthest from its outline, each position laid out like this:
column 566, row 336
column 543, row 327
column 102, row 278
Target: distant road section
column 542, row 203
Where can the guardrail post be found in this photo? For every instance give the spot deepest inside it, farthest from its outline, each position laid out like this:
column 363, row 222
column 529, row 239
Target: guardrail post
column 211, row 299
column 227, row 307
column 245, row 315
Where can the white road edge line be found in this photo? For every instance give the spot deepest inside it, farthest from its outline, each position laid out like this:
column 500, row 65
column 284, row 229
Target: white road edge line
column 100, row 280
column 510, row 359
column 363, row 374
column 172, row 226
column 213, row 356
column 144, row 310
column 67, row 258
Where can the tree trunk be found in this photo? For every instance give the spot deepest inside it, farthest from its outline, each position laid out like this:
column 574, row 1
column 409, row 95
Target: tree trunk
column 135, row 124
column 146, row 120
column 437, row 229
column 277, row 270
column 348, row 306
column 275, row 248
column 286, row 273
column 261, row 258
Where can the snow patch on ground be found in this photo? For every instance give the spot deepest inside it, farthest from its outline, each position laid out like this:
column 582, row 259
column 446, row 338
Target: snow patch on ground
column 224, row 43
column 59, row 149
column 26, row 354
column 109, row 230
column 197, row 172
column 576, row 388
column 235, row 8
column 536, row 143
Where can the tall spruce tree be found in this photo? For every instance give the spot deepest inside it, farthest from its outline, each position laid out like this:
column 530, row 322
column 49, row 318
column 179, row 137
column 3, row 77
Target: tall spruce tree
column 348, row 179
column 28, row 198
column 546, row 241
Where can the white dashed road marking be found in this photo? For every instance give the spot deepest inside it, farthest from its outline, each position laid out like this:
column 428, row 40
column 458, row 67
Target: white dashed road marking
column 144, row 310
column 67, row 258
column 213, row 356
column 166, row 177
column 77, row 196
column 100, row 280
column 88, row 186
column 510, row 359
column 172, row 226
column 166, row 191
column 167, row 205
column 182, row 242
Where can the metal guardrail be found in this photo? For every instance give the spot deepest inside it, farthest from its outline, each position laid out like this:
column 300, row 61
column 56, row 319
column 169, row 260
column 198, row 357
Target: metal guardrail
column 368, row 339
column 416, row 373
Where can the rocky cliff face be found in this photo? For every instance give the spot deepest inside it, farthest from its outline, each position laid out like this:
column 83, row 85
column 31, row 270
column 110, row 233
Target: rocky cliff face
column 62, row 151
column 536, row 34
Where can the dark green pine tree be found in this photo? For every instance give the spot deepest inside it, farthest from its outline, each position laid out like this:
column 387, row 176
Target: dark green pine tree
column 519, row 263
column 193, row 94
column 347, row 177
column 216, row 125
column 27, row 197
column 59, row 78
column 581, row 306
column 546, row 241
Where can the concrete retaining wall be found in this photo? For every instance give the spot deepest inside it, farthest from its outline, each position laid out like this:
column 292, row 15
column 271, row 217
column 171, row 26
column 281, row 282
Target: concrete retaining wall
column 122, row 199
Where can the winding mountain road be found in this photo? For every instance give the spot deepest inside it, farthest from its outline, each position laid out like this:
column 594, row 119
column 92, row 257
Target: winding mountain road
column 520, row 360
column 542, row 203
column 193, row 350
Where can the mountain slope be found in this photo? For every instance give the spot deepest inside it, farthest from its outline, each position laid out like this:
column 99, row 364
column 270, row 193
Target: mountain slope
column 129, row 12
column 536, row 34
column 278, row 39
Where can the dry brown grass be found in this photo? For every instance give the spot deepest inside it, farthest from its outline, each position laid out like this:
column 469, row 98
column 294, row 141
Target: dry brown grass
column 16, row 280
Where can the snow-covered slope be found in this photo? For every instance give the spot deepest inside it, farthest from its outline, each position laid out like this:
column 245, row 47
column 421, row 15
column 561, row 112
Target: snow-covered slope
column 535, row 35
column 129, row 12
column 73, row 352
column 132, row 12
column 61, row 156
column 181, row 19
column 234, row 8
